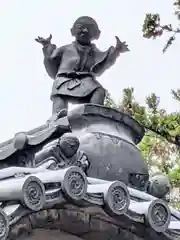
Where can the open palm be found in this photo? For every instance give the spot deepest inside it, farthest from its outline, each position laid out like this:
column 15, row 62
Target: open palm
column 121, row 46
column 43, row 41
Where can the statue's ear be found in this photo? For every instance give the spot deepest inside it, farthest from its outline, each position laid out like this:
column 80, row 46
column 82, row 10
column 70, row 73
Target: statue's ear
column 72, row 32
column 98, row 34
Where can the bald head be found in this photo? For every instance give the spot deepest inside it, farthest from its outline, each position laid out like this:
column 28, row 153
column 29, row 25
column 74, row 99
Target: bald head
column 85, row 29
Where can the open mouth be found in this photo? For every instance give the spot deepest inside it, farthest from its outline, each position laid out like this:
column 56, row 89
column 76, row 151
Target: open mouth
column 83, row 34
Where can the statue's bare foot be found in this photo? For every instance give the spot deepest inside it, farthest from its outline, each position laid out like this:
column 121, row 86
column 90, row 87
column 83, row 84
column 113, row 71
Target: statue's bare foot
column 56, row 116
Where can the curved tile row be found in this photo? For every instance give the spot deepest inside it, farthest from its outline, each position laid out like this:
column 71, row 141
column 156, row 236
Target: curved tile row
column 41, row 190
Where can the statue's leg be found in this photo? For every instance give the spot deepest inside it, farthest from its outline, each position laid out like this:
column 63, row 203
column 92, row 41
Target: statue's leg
column 98, row 96
column 59, row 108
column 59, row 104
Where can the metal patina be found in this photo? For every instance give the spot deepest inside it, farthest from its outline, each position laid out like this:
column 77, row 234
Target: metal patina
column 81, row 174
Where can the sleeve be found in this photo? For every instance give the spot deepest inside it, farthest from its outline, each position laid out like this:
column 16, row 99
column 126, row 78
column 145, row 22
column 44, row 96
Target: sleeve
column 48, row 50
column 108, row 62
column 52, row 58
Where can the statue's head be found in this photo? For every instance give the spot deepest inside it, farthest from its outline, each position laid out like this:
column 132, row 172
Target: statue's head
column 85, row 29
column 69, row 145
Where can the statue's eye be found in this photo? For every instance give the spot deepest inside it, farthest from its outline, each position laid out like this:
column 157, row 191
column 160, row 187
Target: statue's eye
column 79, row 26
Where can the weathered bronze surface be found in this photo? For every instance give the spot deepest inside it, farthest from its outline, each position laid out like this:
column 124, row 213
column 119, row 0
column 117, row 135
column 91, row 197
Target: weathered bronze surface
column 81, row 175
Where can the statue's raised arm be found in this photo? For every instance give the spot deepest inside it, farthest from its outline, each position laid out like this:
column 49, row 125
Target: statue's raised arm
column 110, row 56
column 44, row 41
column 48, row 47
column 121, row 47
column 51, row 53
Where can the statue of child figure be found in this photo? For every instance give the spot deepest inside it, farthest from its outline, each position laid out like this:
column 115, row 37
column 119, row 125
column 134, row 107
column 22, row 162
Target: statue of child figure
column 74, row 67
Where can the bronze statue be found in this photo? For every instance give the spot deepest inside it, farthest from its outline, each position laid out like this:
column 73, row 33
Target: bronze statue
column 74, row 67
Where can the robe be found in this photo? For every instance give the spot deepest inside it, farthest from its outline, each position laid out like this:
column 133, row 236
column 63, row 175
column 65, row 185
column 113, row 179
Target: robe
column 74, row 68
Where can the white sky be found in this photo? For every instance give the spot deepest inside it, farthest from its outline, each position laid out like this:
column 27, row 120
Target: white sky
column 25, row 87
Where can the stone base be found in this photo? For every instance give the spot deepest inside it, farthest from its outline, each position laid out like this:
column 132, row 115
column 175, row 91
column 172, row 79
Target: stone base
column 76, row 224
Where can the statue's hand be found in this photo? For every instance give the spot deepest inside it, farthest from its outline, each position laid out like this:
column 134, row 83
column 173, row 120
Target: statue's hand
column 44, row 41
column 121, row 47
column 83, row 162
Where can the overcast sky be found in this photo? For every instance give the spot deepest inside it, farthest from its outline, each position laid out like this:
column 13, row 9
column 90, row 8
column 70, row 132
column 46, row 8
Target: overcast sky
column 25, row 86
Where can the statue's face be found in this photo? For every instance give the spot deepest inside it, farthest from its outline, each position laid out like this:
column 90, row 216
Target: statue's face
column 69, row 145
column 83, row 33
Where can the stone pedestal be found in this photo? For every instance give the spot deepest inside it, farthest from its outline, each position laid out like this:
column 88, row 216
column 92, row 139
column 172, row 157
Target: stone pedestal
column 109, row 138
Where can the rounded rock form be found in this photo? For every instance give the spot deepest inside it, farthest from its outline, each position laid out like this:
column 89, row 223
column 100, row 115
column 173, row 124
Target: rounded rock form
column 4, row 225
column 74, row 184
column 159, row 215
column 20, row 140
column 34, row 193
column 117, row 198
column 159, row 186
